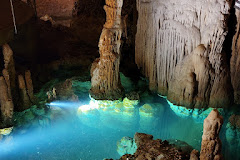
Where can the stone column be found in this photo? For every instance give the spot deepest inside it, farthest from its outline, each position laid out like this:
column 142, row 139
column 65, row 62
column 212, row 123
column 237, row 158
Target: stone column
column 211, row 143
column 105, row 70
column 5, row 103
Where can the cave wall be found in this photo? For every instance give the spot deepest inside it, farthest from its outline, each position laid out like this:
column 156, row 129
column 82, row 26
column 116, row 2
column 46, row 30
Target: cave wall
column 168, row 34
column 55, row 8
column 235, row 60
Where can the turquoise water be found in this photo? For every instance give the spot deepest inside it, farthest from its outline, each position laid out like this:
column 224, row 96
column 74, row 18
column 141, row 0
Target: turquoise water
column 93, row 135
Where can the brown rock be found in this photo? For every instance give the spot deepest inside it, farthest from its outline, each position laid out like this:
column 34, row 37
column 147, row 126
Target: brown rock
column 64, row 91
column 147, row 148
column 6, row 103
column 24, row 98
column 235, row 60
column 211, row 143
column 194, row 155
column 9, row 64
column 29, row 85
column 105, row 80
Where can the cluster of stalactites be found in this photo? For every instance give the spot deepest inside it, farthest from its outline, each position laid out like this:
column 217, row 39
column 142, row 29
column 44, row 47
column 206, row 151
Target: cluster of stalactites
column 105, row 70
column 168, row 31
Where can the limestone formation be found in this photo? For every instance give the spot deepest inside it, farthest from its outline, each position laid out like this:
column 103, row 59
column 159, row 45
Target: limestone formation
column 194, row 155
column 25, row 99
column 105, row 70
column 147, row 148
column 192, row 80
column 64, row 91
column 168, row 35
column 9, row 64
column 235, row 60
column 211, row 143
column 29, row 85
column 5, row 103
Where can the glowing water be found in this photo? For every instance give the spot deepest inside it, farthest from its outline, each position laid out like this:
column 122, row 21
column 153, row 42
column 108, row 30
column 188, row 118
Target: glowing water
column 87, row 133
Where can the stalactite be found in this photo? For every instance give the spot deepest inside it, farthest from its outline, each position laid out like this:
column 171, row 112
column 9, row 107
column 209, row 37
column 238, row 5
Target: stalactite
column 105, row 70
column 169, row 31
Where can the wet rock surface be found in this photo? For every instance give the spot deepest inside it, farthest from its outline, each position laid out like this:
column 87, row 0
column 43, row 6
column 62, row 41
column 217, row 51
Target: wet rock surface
column 211, row 144
column 147, row 148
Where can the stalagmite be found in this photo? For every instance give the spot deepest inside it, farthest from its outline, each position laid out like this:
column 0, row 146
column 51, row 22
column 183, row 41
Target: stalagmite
column 105, row 70
column 167, row 34
column 25, row 100
column 29, row 85
column 235, row 60
column 5, row 103
column 211, row 143
column 9, row 64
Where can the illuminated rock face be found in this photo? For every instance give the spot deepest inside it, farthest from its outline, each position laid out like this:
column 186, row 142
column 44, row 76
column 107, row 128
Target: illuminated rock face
column 211, row 143
column 7, row 85
column 235, row 60
column 105, row 70
column 9, row 94
column 173, row 33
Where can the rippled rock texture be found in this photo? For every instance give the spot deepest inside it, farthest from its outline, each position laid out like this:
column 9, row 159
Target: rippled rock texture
column 147, row 148
column 179, row 48
column 105, row 70
column 211, row 143
column 235, row 63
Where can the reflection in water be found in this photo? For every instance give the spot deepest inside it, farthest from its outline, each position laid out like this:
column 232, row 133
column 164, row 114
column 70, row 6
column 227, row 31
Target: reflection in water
column 85, row 132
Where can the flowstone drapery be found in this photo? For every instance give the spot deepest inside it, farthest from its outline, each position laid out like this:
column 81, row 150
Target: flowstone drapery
column 235, row 60
column 167, row 33
column 105, row 70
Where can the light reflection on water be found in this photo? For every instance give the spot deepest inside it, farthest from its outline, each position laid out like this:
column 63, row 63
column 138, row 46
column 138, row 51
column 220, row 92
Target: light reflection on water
column 94, row 134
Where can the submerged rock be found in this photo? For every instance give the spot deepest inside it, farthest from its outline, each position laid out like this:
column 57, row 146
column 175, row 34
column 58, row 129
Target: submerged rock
column 127, row 103
column 147, row 148
column 146, row 110
column 197, row 114
column 126, row 146
column 5, row 131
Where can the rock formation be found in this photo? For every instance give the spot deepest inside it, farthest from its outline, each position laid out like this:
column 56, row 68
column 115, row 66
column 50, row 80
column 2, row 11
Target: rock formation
column 7, row 86
column 10, row 94
column 25, row 100
column 63, row 91
column 61, row 10
column 235, row 60
column 147, row 148
column 9, row 65
column 6, row 103
column 105, row 70
column 194, row 155
column 211, row 143
column 168, row 37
